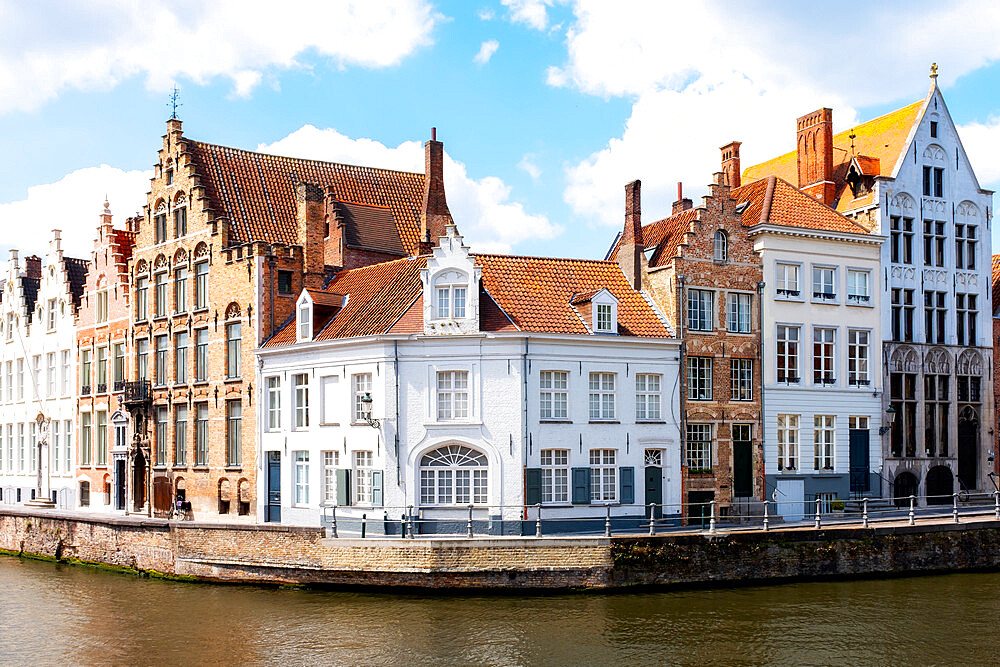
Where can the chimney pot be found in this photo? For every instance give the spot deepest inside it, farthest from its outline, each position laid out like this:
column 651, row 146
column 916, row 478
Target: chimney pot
column 434, row 134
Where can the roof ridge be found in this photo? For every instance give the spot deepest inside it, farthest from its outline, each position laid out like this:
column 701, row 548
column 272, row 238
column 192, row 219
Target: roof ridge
column 543, row 257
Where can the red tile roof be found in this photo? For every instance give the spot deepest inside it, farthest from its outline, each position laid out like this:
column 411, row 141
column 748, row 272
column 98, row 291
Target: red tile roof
column 256, row 191
column 663, row 235
column 777, row 202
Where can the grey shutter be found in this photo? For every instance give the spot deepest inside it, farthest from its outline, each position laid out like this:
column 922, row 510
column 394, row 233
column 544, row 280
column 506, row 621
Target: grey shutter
column 626, row 483
column 376, row 488
column 532, row 486
column 581, row 486
column 343, row 486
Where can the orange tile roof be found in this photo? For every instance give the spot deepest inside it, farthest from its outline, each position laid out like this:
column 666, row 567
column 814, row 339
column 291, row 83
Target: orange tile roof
column 881, row 139
column 669, row 229
column 256, row 191
column 777, row 202
column 996, row 282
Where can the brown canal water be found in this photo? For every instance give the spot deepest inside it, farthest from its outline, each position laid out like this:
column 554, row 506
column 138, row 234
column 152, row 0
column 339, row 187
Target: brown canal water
column 52, row 613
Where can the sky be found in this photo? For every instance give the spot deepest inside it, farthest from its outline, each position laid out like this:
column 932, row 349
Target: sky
column 546, row 107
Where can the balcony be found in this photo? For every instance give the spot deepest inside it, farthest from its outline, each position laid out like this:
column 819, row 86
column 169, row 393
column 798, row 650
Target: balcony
column 859, row 383
column 119, row 386
column 138, row 392
column 787, row 292
column 102, row 388
column 825, row 296
column 85, row 389
column 858, row 298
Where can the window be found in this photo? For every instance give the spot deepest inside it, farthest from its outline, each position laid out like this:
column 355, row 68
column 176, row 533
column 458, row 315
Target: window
column 234, row 432
column 823, row 356
column 161, row 360
column 787, row 280
column 67, row 441
column 936, row 402
column 451, row 302
column 902, row 314
column 738, row 313
column 934, row 316
column 301, row 478
column 933, row 181
column 330, row 462
column 56, row 450
column 102, row 309
column 20, row 379
column 180, row 221
column 33, row 445
column 102, row 369
column 10, row 448
column 160, row 418
column 36, row 373
column 85, row 372
column 720, row 247
column 50, row 373
column 903, row 399
column 22, row 454
column 180, row 434
column 700, row 310
column 698, row 448
column 363, row 477
column 602, row 396
column 201, row 434
column 787, row 346
column 603, row 475
column 699, row 372
column 284, row 282
column 160, row 284
column 965, row 246
column 65, row 374
column 233, row 350
column 553, row 395
column 10, row 326
column 824, row 283
column 555, row 475
column 823, row 434
column 361, row 384
column 741, row 372
column 201, row 285
column 142, row 358
column 51, row 311
column 160, row 224
column 857, row 358
column 85, row 442
column 305, row 321
column 653, row 457
column 788, row 442
column 647, row 397
column 934, row 129
column 330, row 400
column 454, row 475
column 181, row 357
column 934, row 243
column 273, row 403
column 452, row 395
column 10, row 380
column 966, row 312
column 605, row 320
column 118, row 352
column 170, row 180
column 180, row 289
column 857, row 286
column 901, row 240
column 201, row 355
column 141, row 298
column 300, row 400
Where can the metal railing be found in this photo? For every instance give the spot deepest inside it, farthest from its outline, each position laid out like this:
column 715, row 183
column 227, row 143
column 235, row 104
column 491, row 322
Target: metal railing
column 607, row 519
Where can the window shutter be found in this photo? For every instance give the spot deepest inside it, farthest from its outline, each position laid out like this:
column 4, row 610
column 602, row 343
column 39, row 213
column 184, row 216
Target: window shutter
column 581, row 486
column 626, row 480
column 343, row 486
column 532, row 486
column 376, row 488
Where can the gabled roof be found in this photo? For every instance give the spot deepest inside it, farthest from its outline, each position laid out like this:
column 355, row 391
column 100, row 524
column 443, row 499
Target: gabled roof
column 370, row 227
column 663, row 235
column 777, row 202
column 996, row 283
column 881, row 139
column 76, row 275
column 256, row 191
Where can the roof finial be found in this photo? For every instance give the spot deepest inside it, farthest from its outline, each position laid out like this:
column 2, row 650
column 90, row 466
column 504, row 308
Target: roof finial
column 173, row 103
column 852, row 137
column 933, row 70
column 107, row 209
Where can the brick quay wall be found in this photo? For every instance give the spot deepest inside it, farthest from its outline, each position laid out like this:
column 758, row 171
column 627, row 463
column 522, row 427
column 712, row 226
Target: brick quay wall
column 303, row 556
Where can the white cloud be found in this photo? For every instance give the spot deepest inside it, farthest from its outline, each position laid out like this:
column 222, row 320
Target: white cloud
column 482, row 208
column 72, row 204
column 982, row 144
column 533, row 13
column 97, row 44
column 486, row 51
column 527, row 164
column 486, row 14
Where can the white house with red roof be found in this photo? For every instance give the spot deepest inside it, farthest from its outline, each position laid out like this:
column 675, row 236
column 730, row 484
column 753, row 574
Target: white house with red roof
column 429, row 385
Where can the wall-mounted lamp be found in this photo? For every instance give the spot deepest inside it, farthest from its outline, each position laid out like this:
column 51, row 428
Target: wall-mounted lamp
column 366, row 410
column 890, row 418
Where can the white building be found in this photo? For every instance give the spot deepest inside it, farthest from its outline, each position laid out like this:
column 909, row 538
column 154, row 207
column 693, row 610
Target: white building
column 38, row 375
column 443, row 381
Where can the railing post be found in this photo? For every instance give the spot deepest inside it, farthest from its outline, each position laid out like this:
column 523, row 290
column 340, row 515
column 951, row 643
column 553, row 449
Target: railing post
column 766, row 522
column 402, row 526
column 819, row 522
column 538, row 521
column 996, row 504
column 652, row 518
column 607, row 520
column 410, row 513
column 334, row 508
column 864, row 512
column 468, row 526
column 711, row 519
column 364, row 524
column 913, row 500
column 954, row 507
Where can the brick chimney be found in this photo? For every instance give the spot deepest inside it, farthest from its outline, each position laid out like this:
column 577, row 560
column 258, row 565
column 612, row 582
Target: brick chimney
column 33, row 266
column 309, row 213
column 435, row 216
column 731, row 163
column 814, row 146
column 630, row 249
column 682, row 204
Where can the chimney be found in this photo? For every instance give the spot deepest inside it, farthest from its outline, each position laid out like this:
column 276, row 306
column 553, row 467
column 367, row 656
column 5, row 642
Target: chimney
column 814, row 146
column 309, row 213
column 33, row 266
column 731, row 163
column 681, row 204
column 630, row 248
column 435, row 216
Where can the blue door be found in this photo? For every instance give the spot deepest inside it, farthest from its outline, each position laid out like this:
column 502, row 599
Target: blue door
column 273, row 510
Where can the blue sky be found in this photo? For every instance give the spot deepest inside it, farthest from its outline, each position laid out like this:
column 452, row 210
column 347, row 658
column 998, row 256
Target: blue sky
column 546, row 107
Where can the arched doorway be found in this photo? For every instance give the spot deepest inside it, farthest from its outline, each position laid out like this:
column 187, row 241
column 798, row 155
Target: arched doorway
column 138, row 481
column 904, row 487
column 968, row 447
column 940, row 485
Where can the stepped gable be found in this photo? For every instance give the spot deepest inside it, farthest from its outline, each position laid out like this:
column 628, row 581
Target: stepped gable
column 256, row 192
column 76, row 276
column 775, row 201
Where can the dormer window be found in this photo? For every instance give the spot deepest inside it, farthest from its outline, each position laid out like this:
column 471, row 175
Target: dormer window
column 599, row 310
column 451, row 302
column 305, row 327
column 604, row 320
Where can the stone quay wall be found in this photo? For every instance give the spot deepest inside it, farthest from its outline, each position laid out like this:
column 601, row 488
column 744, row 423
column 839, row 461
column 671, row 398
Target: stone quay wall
column 279, row 555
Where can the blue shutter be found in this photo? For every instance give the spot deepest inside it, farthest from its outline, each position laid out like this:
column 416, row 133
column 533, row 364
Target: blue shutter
column 343, row 486
column 532, row 486
column 581, row 486
column 626, row 482
column 376, row 488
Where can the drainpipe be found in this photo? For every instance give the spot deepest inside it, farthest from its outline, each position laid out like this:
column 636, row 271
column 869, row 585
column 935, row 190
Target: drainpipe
column 395, row 366
column 271, row 261
column 524, row 420
column 760, row 357
column 681, row 372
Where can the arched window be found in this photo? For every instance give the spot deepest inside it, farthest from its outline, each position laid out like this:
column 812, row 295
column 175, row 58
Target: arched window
column 721, row 247
column 201, row 276
column 450, row 291
column 453, row 475
column 180, row 215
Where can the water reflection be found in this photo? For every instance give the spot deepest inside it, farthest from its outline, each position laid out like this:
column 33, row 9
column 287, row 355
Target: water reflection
column 52, row 613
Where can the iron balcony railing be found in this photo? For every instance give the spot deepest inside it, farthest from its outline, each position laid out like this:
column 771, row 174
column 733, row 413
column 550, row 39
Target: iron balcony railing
column 138, row 392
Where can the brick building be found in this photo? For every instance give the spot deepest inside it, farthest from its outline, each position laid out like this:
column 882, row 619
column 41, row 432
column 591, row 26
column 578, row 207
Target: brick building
column 102, row 337
column 226, row 242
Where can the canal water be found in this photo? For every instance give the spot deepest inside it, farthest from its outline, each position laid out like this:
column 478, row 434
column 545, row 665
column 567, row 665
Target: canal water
column 53, row 613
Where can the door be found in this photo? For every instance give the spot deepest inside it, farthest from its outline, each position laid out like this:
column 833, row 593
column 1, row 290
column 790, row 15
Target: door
column 120, row 483
column 742, row 469
column 654, row 490
column 138, row 482
column 161, row 494
column 858, row 464
column 968, row 452
column 273, row 509
column 791, row 498
column 699, row 508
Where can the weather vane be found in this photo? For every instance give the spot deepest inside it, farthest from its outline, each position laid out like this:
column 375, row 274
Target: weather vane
column 174, row 104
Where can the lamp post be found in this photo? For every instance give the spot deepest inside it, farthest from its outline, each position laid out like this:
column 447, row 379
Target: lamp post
column 366, row 410
column 43, row 496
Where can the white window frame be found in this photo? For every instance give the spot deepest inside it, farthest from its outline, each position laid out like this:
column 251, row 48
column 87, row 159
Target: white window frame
column 304, row 323
column 362, row 462
column 824, row 284
column 463, row 481
column 603, row 475
column 273, row 384
column 453, row 395
column 788, row 442
column 451, row 301
column 824, row 438
column 824, row 356
column 859, row 287
column 700, row 371
column 786, row 279
column 331, row 461
column 787, row 353
column 648, row 397
column 300, row 481
column 700, row 310
column 300, row 401
column 858, row 357
column 741, row 379
column 361, row 385
column 553, row 395
column 602, row 396
column 555, row 476
column 738, row 312
column 698, row 447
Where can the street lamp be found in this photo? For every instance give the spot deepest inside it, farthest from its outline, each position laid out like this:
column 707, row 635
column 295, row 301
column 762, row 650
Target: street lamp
column 890, row 418
column 366, row 410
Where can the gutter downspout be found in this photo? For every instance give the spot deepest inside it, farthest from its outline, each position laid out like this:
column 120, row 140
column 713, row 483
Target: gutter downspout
column 681, row 371
column 524, row 435
column 271, row 261
column 395, row 434
column 760, row 357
